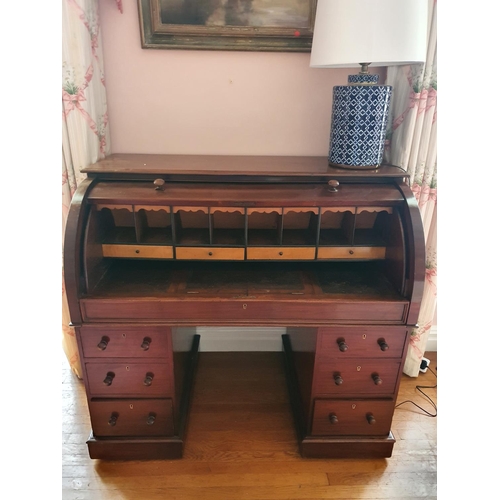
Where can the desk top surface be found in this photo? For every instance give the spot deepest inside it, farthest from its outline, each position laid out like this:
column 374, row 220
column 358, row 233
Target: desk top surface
column 250, row 168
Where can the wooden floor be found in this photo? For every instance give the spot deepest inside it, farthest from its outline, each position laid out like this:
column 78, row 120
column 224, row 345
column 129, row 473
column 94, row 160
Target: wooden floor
column 241, row 444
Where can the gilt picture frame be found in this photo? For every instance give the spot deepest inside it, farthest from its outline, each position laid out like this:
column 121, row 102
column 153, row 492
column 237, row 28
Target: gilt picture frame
column 245, row 25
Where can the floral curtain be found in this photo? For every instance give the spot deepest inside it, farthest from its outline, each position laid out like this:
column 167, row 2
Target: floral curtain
column 85, row 132
column 411, row 144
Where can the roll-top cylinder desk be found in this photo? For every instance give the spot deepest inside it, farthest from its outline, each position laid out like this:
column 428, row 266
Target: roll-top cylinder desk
column 157, row 245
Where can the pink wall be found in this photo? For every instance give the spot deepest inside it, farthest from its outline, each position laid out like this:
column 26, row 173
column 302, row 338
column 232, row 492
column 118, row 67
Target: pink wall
column 211, row 102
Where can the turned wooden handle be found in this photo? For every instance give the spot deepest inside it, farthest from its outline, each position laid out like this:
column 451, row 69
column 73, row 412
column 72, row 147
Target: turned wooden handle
column 112, row 419
column 370, row 418
column 151, row 418
column 149, row 378
column 338, row 379
column 377, row 379
column 109, row 378
column 159, row 184
column 333, row 186
column 342, row 345
column 333, row 418
column 146, row 342
column 383, row 344
column 103, row 344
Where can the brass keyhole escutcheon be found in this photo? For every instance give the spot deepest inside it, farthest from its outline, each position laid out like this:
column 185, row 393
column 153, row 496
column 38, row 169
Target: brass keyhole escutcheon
column 131, row 407
column 353, row 407
column 364, row 336
column 358, row 368
column 244, row 306
column 127, row 368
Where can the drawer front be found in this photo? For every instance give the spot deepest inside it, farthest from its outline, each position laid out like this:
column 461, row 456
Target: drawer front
column 356, row 377
column 129, row 379
column 280, row 253
column 367, row 341
column 138, row 251
column 132, row 417
column 351, row 253
column 233, row 311
column 125, row 341
column 209, row 253
column 352, row 417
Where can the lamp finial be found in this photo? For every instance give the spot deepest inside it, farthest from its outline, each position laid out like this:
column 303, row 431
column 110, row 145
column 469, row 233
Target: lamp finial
column 364, row 68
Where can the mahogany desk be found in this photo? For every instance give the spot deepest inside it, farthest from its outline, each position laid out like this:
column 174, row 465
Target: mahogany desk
column 156, row 245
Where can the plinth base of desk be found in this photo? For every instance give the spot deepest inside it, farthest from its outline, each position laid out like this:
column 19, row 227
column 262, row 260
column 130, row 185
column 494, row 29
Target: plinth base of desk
column 347, row 447
column 135, row 448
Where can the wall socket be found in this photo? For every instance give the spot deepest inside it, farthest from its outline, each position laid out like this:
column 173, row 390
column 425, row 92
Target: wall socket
column 424, row 364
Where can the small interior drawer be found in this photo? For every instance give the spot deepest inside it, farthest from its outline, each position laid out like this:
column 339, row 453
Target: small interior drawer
column 132, row 417
column 209, row 253
column 114, row 378
column 367, row 341
column 351, row 252
column 281, row 253
column 138, row 251
column 125, row 341
column 356, row 377
column 352, row 417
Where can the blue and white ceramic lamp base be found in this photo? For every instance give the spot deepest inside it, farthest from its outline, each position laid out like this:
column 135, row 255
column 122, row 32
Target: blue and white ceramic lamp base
column 360, row 113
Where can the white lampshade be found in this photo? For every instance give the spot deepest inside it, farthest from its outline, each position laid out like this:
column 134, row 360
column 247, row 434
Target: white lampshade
column 379, row 32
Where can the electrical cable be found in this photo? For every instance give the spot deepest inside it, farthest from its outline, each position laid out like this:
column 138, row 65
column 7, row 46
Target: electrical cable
column 419, row 389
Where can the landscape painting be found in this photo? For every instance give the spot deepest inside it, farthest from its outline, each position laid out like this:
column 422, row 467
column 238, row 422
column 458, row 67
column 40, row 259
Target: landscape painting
column 271, row 13
column 272, row 25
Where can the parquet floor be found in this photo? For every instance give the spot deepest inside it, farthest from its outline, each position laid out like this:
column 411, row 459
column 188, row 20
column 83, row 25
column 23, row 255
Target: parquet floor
column 241, row 444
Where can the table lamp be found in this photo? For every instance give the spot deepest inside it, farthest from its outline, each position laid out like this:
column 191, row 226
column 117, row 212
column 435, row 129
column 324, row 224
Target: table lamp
column 349, row 33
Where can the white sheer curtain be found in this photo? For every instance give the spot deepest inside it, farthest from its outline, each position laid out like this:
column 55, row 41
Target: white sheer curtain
column 85, row 132
column 411, row 144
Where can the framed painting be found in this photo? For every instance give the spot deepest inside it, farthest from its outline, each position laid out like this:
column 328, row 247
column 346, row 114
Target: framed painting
column 260, row 25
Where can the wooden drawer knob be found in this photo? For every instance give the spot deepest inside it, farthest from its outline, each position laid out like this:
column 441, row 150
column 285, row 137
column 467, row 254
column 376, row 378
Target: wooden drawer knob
column 338, row 379
column 370, row 418
column 109, row 378
column 376, row 379
column 112, row 419
column 333, row 186
column 383, row 344
column 159, row 184
column 342, row 345
column 333, row 418
column 146, row 342
column 103, row 344
column 149, row 378
column 151, row 418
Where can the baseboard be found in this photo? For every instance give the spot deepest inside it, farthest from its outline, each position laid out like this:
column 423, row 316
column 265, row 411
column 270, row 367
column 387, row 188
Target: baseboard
column 432, row 340
column 240, row 339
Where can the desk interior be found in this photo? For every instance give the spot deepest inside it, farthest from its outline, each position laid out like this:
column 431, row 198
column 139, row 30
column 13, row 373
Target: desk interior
column 163, row 279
